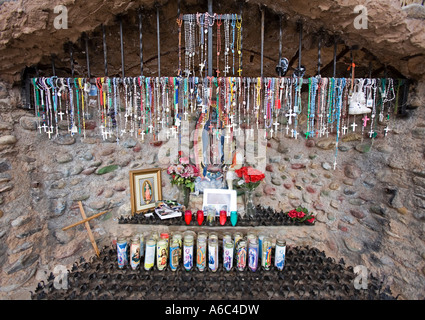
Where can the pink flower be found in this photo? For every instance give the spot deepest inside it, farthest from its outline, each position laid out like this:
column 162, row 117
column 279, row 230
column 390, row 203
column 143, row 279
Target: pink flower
column 171, row 169
column 179, row 169
column 189, row 170
column 185, row 174
column 184, row 160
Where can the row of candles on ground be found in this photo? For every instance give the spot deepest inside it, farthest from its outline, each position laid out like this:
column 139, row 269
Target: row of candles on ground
column 210, row 215
column 239, row 252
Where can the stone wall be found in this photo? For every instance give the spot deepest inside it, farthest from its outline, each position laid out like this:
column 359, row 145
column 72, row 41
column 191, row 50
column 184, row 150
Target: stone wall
column 370, row 210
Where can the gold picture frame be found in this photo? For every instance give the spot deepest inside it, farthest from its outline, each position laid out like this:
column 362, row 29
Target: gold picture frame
column 145, row 189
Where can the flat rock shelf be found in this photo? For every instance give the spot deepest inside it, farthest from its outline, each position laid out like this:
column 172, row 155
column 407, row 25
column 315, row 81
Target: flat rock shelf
column 308, row 275
column 263, row 217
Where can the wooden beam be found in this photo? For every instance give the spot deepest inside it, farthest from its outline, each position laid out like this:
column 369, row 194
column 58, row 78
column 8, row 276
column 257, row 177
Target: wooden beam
column 91, row 237
column 85, row 220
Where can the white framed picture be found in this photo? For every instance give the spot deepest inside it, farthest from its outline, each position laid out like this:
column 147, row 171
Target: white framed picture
column 220, row 199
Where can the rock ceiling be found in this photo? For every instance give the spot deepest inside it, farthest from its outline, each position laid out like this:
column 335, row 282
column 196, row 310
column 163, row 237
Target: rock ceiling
column 393, row 43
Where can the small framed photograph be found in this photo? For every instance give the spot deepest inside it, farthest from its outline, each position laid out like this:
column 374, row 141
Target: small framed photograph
column 145, row 189
column 220, row 199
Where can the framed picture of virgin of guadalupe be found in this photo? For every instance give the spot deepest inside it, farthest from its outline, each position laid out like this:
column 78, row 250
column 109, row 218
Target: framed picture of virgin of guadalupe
column 145, row 189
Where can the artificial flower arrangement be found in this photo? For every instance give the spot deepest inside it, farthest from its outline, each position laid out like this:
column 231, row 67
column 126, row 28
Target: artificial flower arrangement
column 183, row 173
column 250, row 177
column 301, row 215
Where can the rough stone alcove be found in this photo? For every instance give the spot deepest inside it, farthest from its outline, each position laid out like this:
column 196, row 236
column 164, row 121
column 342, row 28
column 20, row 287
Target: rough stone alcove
column 370, row 210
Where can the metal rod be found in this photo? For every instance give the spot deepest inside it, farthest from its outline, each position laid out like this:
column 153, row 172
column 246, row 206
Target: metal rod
column 71, row 54
column 319, row 58
column 370, row 69
column 122, row 49
column 262, row 41
column 300, row 45
column 140, row 41
column 105, row 53
column 87, row 56
column 158, row 40
column 187, row 17
column 210, row 39
column 53, row 65
column 280, row 37
column 335, row 47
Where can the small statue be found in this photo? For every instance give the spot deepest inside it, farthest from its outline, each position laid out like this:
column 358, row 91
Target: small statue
column 237, row 163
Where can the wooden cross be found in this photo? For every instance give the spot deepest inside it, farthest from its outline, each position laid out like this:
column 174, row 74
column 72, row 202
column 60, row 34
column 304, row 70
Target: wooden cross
column 86, row 223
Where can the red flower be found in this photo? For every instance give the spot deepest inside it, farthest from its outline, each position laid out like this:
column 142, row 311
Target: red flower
column 311, row 220
column 241, row 172
column 292, row 214
column 300, row 214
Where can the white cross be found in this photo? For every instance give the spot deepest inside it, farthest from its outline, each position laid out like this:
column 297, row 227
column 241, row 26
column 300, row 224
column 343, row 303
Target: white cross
column 353, row 125
column 371, row 133
column 386, row 130
column 226, row 70
column 271, row 133
column 239, row 130
column 326, row 132
column 123, row 131
column 61, row 114
column 290, row 115
column 162, row 122
column 104, row 133
column 143, row 135
column 227, row 138
column 185, row 115
column 201, row 66
column 150, row 128
column 167, row 133
column 344, row 129
column 49, row 132
column 177, row 122
column 276, row 124
column 44, row 127
column 174, row 132
column 287, row 129
column 335, row 165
